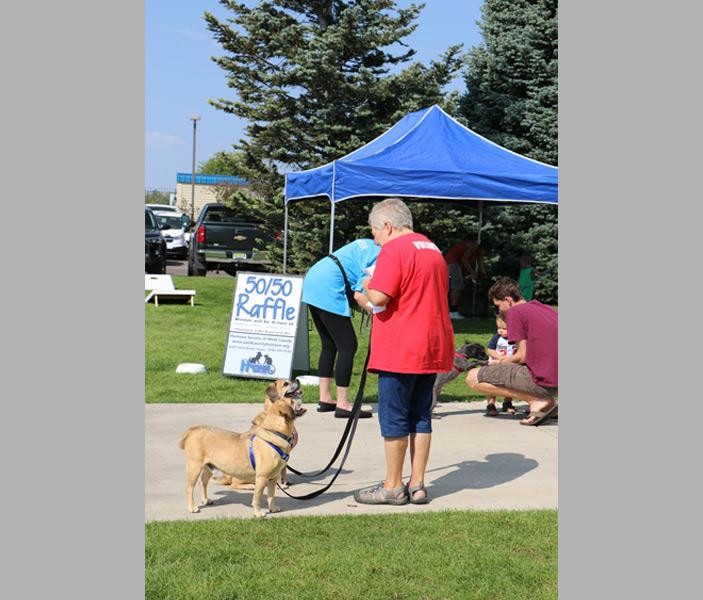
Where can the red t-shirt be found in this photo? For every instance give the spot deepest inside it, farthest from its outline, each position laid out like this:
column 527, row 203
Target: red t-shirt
column 414, row 334
column 455, row 253
column 538, row 325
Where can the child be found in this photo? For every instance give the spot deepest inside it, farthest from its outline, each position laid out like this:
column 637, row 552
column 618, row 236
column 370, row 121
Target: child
column 525, row 282
column 497, row 347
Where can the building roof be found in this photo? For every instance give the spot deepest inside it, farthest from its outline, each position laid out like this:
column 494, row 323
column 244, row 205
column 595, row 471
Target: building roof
column 210, row 179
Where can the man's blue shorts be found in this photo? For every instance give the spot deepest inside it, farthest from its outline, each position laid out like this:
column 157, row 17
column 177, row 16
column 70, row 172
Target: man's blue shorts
column 405, row 403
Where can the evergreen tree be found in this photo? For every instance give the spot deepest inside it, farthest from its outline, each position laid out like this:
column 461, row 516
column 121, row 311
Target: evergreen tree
column 316, row 79
column 511, row 99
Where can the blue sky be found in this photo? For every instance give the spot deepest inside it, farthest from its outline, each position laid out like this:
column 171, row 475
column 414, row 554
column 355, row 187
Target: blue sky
column 180, row 77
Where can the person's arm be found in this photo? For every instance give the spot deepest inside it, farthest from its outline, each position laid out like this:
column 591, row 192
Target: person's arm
column 362, row 301
column 481, row 266
column 374, row 296
column 470, row 265
column 378, row 298
column 518, row 356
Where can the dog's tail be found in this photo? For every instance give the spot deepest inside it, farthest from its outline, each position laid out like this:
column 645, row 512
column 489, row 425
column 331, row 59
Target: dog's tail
column 182, row 442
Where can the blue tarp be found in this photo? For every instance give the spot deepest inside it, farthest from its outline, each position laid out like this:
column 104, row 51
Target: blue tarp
column 429, row 155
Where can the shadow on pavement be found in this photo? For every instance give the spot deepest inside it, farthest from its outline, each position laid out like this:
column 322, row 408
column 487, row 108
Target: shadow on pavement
column 473, row 474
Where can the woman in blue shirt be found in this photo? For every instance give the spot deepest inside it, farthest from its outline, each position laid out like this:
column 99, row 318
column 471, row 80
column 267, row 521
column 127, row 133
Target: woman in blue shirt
column 325, row 293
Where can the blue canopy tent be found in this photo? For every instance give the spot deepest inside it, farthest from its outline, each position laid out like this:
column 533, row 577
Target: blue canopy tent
column 427, row 156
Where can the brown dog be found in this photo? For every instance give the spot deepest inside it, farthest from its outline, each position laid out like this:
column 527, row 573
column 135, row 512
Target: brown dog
column 274, row 391
column 257, row 457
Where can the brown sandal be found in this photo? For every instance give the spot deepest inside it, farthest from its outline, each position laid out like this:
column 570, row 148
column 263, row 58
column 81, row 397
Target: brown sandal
column 539, row 416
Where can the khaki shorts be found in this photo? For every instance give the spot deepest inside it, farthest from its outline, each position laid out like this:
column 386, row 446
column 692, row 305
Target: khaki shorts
column 456, row 276
column 514, row 377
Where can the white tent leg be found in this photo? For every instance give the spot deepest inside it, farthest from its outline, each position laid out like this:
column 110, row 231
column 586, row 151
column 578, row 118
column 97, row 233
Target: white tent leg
column 332, row 228
column 285, row 237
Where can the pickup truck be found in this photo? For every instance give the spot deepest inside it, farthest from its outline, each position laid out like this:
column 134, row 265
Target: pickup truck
column 223, row 239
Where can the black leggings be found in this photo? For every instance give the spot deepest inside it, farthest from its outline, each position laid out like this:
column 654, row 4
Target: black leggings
column 337, row 335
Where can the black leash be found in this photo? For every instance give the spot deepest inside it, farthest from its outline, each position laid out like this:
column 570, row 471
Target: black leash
column 347, row 436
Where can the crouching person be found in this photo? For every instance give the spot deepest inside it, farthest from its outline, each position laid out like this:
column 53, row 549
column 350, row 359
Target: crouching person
column 531, row 373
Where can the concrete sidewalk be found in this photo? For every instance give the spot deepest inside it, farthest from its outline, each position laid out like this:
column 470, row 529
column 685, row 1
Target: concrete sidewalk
column 476, row 462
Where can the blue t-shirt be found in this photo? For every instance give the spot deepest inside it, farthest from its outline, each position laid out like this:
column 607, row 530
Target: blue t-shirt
column 323, row 285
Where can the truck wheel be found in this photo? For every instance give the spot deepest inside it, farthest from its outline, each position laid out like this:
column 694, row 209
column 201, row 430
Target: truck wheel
column 195, row 268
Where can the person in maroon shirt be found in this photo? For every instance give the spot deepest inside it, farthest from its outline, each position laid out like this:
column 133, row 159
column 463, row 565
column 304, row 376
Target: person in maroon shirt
column 531, row 373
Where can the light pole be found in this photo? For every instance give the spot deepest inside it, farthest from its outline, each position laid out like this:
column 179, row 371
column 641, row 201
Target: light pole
column 195, row 117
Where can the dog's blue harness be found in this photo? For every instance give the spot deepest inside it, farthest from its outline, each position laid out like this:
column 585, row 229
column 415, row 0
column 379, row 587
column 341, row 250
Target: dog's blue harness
column 282, row 454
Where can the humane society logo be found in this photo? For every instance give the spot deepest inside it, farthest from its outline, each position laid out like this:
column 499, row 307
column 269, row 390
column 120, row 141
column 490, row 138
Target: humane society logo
column 260, row 363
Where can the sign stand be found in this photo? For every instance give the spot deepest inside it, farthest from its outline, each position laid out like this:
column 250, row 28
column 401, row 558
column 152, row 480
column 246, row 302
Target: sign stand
column 268, row 331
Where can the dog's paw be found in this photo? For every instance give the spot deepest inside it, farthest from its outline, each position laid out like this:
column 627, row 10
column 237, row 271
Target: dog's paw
column 284, row 484
column 208, row 502
column 195, row 509
column 274, row 509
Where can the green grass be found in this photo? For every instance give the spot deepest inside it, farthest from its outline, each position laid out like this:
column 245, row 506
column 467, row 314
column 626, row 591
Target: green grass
column 442, row 555
column 458, row 554
column 177, row 333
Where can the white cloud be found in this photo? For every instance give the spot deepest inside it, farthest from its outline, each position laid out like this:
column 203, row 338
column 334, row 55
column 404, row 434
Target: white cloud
column 162, row 139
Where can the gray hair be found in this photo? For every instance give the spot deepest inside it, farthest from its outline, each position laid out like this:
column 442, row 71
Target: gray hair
column 393, row 211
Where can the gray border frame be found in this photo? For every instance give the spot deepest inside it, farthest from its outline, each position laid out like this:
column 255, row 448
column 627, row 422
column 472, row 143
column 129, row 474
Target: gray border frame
column 73, row 314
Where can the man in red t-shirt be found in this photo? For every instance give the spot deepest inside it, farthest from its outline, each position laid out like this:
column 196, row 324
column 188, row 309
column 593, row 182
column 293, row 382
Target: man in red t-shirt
column 411, row 341
column 531, row 373
column 466, row 254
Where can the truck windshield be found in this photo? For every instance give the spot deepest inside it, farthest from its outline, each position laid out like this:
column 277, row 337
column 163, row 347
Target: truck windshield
column 174, row 222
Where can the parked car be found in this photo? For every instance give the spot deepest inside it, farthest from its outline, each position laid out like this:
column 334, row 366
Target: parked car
column 154, row 244
column 225, row 239
column 174, row 228
column 167, row 207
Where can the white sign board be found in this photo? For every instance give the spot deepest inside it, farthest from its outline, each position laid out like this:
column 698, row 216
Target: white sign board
column 267, row 325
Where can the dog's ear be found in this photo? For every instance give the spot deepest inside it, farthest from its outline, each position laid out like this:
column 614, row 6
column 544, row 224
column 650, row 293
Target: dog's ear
column 272, row 392
column 283, row 410
column 288, row 412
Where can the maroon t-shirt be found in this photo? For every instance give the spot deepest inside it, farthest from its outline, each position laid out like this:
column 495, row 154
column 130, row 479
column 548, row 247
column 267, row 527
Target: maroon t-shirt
column 538, row 325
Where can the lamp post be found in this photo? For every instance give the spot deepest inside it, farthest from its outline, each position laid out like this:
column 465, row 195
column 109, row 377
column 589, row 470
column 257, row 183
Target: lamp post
column 195, row 117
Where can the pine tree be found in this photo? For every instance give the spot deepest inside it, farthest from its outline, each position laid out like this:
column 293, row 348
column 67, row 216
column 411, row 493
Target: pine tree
column 511, row 99
column 315, row 80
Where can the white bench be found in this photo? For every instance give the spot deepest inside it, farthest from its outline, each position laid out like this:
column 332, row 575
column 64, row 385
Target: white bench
column 162, row 286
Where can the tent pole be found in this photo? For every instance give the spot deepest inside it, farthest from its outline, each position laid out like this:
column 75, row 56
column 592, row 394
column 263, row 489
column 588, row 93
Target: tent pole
column 285, row 237
column 332, row 228
column 478, row 240
column 334, row 186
